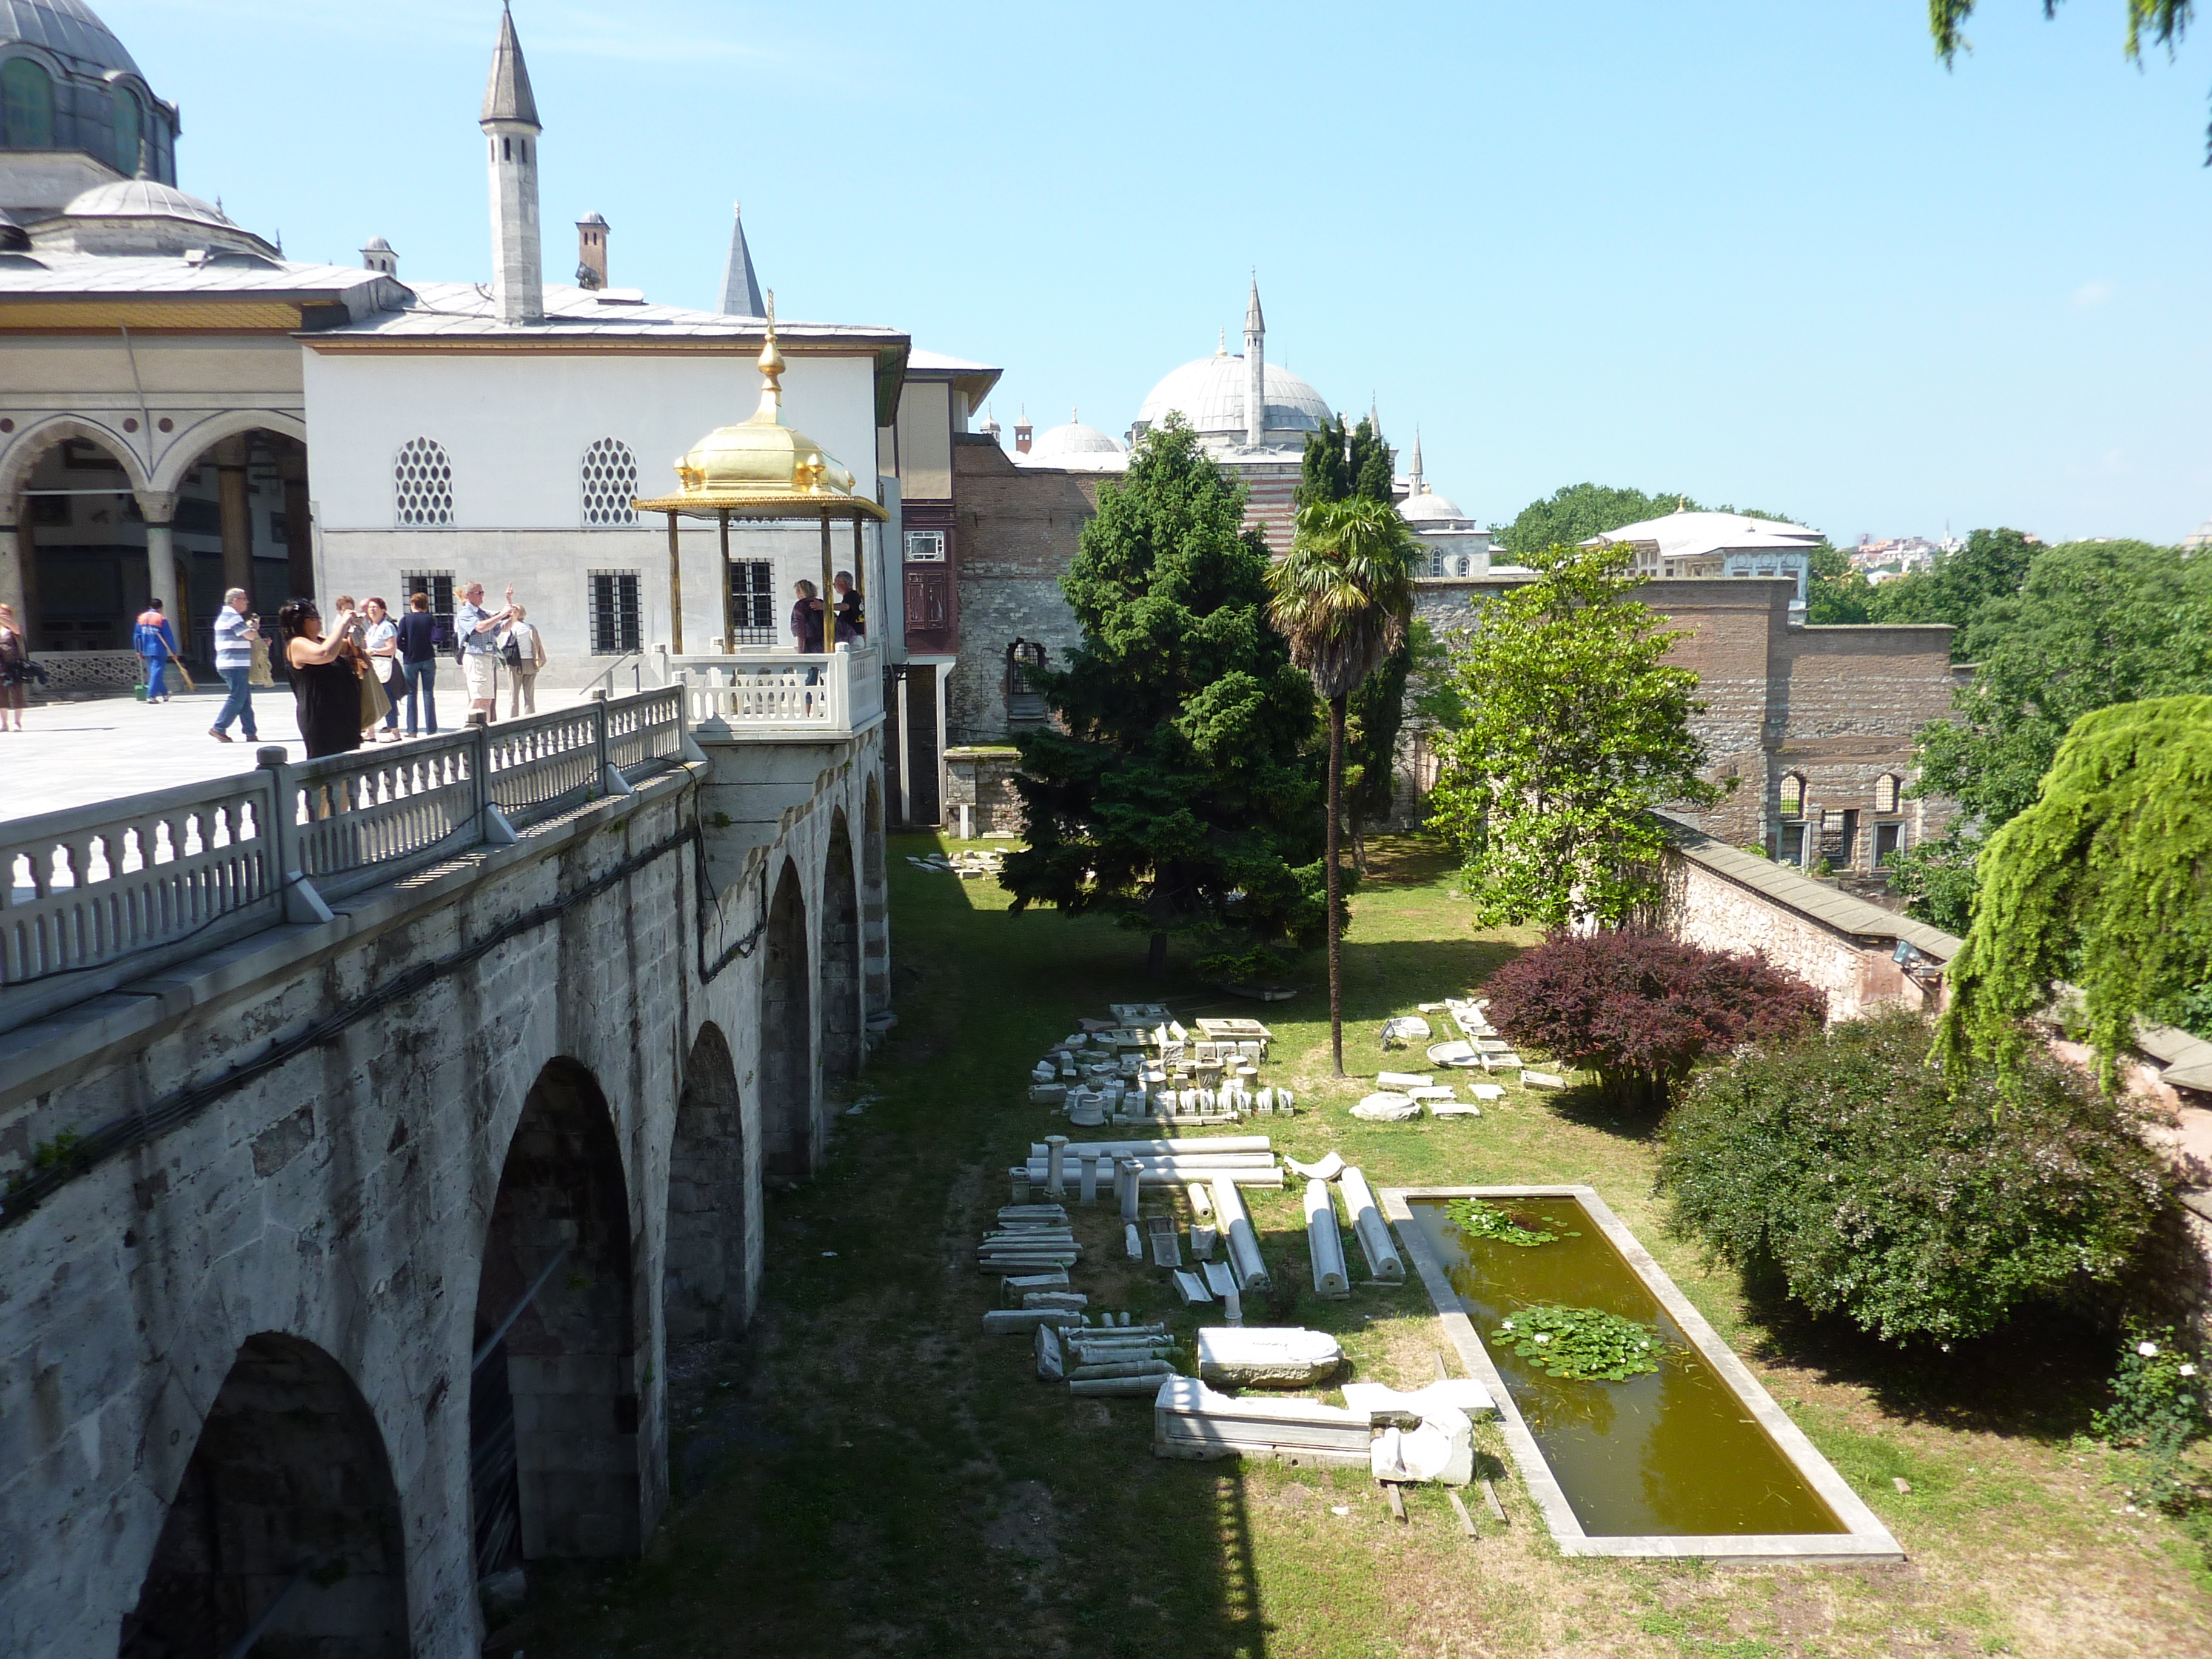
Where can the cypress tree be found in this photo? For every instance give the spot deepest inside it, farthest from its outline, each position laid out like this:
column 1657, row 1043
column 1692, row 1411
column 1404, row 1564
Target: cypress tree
column 1182, row 792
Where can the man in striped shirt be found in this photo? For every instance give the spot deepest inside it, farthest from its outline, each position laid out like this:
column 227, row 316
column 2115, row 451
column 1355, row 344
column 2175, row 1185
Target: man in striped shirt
column 234, row 635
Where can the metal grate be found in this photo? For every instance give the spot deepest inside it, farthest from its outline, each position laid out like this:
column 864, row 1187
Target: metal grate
column 609, row 480
column 752, row 601
column 422, row 483
column 615, row 622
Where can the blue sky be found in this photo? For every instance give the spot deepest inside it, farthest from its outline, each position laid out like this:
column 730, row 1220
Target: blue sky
column 1766, row 251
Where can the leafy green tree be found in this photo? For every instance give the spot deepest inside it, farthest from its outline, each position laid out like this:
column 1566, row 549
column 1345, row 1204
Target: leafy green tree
column 1991, row 566
column 1181, row 793
column 1879, row 1187
column 1342, row 461
column 1834, row 592
column 1342, row 597
column 2106, row 880
column 2095, row 623
column 1576, row 512
column 2165, row 20
column 1575, row 727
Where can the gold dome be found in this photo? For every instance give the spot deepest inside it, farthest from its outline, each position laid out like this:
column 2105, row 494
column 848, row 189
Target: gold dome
column 761, row 467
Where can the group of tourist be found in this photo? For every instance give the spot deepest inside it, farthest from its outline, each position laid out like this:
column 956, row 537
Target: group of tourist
column 807, row 613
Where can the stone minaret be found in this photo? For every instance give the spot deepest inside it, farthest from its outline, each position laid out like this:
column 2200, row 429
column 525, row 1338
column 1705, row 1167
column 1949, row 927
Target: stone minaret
column 1415, row 485
column 1255, row 371
column 510, row 124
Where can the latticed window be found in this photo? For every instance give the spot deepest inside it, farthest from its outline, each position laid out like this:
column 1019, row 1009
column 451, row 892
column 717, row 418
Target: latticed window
column 615, row 627
column 1793, row 796
column 1886, row 789
column 610, row 485
column 438, row 585
column 422, row 483
column 752, row 601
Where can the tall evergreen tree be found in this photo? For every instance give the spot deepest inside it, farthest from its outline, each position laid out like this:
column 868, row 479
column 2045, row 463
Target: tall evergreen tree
column 1183, row 792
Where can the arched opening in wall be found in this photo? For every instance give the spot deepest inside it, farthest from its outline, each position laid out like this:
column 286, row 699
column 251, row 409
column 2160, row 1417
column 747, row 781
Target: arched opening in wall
column 703, row 1294
column 875, row 906
column 787, row 1040
column 553, row 1405
column 842, row 1052
column 287, row 1522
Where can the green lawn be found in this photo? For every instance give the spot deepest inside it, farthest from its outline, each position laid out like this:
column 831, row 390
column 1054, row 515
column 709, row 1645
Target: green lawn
column 866, row 1474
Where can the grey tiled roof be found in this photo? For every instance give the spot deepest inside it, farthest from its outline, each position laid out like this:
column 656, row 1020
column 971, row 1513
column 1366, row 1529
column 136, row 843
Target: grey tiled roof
column 1800, row 893
column 58, row 274
column 453, row 309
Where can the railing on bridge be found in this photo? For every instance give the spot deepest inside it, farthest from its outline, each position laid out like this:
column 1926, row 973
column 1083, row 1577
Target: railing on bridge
column 103, row 894
column 779, row 693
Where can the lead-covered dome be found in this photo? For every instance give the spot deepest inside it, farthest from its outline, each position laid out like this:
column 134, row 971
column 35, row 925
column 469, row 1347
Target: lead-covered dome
column 69, row 29
column 1428, row 507
column 142, row 198
column 1076, row 447
column 1209, row 393
column 143, row 217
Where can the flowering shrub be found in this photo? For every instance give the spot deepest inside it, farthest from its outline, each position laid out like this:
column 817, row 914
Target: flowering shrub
column 2158, row 1404
column 1845, row 1162
column 1584, row 1344
column 1641, row 1009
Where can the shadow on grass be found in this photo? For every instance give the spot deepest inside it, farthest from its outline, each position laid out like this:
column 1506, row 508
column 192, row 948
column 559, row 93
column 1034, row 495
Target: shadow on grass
column 1586, row 1104
column 2039, row 1379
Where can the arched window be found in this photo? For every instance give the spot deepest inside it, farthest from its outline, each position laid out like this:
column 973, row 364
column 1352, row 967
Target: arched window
column 422, row 484
column 610, row 481
column 1887, row 790
column 1436, row 564
column 129, row 129
column 1465, row 564
column 1793, row 796
column 27, row 105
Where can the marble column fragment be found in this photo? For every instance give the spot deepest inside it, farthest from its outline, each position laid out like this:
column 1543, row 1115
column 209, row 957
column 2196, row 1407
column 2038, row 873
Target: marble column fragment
column 1130, row 1172
column 1087, row 1157
column 1055, row 1169
column 1235, row 1225
column 1373, row 1232
column 1326, row 1244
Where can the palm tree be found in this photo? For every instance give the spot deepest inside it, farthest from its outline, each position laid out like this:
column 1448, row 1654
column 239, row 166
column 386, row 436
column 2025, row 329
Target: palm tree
column 1342, row 598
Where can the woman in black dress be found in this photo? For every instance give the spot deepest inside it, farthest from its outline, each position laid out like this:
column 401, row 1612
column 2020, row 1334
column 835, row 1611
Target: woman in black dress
column 326, row 680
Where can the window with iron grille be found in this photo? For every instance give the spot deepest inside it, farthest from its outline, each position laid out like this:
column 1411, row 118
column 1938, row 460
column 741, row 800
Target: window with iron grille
column 422, row 484
column 610, row 482
column 439, row 585
column 752, row 601
column 614, row 621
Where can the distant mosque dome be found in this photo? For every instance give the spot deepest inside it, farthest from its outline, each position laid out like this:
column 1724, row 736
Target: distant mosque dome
column 1076, row 447
column 1209, row 393
column 1428, row 506
column 71, row 96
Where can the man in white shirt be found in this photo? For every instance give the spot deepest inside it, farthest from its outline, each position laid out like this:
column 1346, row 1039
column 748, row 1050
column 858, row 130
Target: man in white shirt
column 234, row 635
column 477, row 630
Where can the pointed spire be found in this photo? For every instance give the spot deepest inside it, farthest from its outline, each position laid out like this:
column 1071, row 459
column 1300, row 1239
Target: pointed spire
column 1221, row 345
column 507, row 94
column 1255, row 370
column 1374, row 414
column 1420, row 488
column 741, row 289
column 1254, row 322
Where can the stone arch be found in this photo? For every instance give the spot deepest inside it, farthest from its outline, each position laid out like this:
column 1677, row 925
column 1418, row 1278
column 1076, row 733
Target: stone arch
column 19, row 457
column 704, row 1284
column 875, row 904
column 286, row 1513
column 553, row 1401
column 787, row 1040
column 188, row 447
column 842, row 1014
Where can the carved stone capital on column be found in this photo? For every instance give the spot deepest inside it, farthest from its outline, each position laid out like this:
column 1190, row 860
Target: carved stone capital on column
column 158, row 506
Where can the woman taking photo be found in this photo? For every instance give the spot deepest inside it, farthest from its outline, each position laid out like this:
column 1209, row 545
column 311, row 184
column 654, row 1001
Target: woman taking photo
column 325, row 680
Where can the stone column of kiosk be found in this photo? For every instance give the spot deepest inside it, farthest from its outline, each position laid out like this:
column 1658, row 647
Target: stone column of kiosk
column 1326, row 1244
column 1236, row 1226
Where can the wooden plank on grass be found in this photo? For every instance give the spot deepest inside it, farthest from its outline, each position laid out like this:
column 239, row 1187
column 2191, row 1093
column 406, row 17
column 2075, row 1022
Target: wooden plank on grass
column 1489, row 1497
column 1466, row 1521
column 1397, row 1501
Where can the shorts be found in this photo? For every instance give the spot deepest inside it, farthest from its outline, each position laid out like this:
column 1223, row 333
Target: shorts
column 480, row 670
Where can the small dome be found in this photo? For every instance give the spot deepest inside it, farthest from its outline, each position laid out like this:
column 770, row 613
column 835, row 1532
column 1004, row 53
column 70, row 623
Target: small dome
column 1427, row 505
column 1075, row 439
column 376, row 245
column 1209, row 393
column 70, row 30
column 141, row 198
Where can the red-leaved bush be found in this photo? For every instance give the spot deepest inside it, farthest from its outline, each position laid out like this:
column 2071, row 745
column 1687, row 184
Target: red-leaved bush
column 1641, row 1009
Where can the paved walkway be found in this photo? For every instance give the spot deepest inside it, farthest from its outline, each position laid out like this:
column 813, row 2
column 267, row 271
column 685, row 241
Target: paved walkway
column 73, row 753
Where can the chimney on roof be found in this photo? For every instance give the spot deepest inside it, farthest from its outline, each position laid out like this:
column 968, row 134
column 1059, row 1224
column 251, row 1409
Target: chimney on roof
column 378, row 256
column 1021, row 432
column 591, row 252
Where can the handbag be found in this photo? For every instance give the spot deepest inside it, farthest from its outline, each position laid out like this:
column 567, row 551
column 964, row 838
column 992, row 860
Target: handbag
column 373, row 704
column 260, row 673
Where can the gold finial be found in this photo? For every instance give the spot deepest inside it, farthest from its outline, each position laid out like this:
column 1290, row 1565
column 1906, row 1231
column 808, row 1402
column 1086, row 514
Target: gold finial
column 771, row 368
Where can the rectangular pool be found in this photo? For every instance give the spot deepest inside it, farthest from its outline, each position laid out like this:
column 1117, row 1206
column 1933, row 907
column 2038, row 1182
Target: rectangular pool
column 1693, row 1459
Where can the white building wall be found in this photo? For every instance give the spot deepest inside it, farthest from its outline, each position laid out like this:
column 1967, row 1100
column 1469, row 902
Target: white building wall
column 515, row 428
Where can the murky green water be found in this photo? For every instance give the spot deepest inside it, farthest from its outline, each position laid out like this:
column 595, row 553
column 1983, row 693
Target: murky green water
column 1671, row 1453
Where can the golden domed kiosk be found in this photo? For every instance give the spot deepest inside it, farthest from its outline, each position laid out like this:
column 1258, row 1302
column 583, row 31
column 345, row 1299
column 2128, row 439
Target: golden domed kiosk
column 761, row 469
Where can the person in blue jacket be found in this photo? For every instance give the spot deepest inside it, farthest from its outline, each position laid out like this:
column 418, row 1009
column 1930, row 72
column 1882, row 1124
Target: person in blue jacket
column 155, row 642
